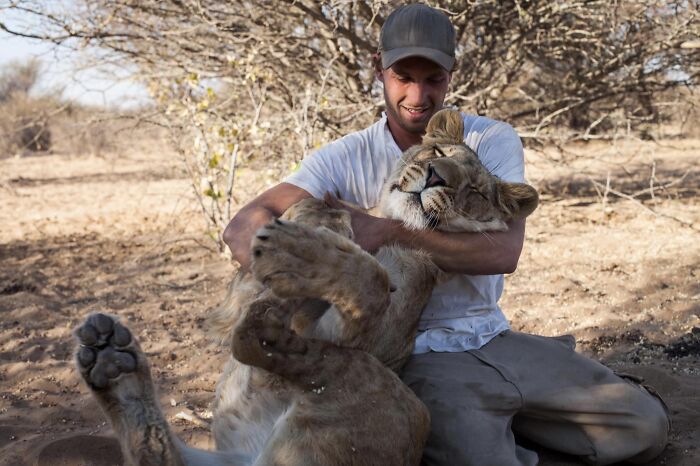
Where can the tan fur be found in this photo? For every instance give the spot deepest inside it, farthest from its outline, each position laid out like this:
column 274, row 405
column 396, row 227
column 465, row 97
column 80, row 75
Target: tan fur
column 318, row 327
column 445, row 127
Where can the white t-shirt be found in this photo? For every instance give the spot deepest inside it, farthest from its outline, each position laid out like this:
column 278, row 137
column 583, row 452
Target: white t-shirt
column 462, row 313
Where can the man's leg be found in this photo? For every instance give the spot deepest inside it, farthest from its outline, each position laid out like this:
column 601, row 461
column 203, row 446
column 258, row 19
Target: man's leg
column 576, row 405
column 471, row 407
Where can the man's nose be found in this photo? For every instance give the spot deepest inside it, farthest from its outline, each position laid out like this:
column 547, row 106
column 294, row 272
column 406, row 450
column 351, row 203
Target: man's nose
column 417, row 94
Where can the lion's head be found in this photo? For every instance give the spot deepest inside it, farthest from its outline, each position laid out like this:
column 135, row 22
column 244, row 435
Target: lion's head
column 442, row 184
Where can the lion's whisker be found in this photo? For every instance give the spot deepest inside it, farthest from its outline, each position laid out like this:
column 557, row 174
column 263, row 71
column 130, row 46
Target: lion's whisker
column 488, row 237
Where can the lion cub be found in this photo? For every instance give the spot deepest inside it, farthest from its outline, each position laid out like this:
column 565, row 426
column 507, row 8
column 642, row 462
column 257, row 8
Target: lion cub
column 317, row 328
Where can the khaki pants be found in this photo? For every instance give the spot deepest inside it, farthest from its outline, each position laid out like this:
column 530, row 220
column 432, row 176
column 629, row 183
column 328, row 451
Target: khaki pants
column 541, row 389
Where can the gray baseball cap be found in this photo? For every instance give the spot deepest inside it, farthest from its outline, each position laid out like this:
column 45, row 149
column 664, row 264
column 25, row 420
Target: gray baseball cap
column 417, row 30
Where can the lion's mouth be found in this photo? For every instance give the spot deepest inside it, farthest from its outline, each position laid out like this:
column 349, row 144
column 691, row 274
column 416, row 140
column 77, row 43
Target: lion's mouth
column 414, row 201
column 432, row 217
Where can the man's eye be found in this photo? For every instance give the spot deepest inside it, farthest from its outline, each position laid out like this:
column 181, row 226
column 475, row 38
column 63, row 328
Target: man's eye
column 436, row 80
column 403, row 79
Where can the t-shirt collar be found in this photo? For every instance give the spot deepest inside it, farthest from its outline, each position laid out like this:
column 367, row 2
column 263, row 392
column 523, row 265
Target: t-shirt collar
column 389, row 141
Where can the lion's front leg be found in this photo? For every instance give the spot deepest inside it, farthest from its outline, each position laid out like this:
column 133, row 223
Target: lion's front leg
column 299, row 261
column 116, row 371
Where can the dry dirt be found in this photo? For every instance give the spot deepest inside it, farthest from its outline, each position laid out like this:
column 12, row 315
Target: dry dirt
column 123, row 235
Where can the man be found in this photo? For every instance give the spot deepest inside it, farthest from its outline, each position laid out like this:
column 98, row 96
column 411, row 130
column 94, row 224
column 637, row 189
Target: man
column 480, row 381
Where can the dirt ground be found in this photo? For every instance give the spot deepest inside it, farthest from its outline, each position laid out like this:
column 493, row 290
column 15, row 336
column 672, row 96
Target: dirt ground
column 123, row 235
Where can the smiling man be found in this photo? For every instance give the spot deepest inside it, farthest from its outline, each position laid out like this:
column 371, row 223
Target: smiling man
column 481, row 381
column 414, row 89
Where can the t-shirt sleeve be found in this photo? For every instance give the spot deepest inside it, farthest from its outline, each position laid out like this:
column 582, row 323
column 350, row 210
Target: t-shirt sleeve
column 501, row 152
column 316, row 173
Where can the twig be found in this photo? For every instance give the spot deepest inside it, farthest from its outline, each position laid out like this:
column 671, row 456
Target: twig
column 229, row 182
column 606, row 192
column 192, row 417
column 685, row 223
column 651, row 188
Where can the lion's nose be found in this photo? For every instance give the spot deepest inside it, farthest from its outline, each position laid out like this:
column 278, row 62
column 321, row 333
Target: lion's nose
column 433, row 179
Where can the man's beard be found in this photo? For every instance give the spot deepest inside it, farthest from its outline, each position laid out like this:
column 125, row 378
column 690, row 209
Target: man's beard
column 395, row 112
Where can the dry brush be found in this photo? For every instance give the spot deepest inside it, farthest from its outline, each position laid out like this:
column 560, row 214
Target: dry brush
column 261, row 83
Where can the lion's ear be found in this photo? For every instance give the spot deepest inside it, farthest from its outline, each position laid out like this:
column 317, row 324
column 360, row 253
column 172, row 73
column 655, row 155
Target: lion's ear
column 446, row 127
column 516, row 200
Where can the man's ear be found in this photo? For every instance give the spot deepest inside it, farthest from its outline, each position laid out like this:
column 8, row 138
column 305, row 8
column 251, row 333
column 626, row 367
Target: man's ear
column 378, row 70
column 516, row 200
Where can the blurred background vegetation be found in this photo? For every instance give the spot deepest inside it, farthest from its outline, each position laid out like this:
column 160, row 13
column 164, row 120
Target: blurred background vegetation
column 262, row 83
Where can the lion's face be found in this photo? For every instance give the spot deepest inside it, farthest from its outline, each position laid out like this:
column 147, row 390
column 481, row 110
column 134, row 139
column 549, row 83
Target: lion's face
column 442, row 184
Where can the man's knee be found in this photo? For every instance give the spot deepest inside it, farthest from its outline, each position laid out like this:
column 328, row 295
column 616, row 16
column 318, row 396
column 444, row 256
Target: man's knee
column 645, row 433
column 652, row 425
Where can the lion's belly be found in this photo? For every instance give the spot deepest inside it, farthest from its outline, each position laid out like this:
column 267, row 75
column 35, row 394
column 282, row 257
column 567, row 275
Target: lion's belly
column 246, row 409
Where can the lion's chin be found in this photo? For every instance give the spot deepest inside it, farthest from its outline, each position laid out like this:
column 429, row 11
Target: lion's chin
column 405, row 208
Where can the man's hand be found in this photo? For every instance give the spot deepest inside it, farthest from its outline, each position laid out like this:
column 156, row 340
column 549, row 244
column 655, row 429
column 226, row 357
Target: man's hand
column 371, row 232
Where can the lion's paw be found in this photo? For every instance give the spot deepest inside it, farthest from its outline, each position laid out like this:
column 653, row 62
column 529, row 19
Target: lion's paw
column 107, row 350
column 298, row 261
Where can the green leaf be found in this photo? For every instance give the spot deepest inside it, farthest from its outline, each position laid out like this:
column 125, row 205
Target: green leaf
column 214, row 194
column 215, row 160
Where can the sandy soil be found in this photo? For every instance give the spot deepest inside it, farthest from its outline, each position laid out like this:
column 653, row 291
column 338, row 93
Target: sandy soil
column 123, row 235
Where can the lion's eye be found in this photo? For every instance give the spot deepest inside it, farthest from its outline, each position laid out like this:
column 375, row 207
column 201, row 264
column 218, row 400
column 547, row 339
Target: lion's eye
column 473, row 189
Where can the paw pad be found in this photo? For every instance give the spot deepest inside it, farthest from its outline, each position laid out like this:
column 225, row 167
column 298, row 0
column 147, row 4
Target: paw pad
column 103, row 353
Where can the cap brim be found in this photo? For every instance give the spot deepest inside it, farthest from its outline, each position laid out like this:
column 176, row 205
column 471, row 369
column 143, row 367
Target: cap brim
column 390, row 57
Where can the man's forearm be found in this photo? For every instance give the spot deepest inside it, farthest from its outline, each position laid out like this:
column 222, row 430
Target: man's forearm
column 260, row 211
column 470, row 253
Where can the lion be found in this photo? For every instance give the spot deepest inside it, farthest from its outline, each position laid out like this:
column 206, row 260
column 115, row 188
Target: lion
column 318, row 328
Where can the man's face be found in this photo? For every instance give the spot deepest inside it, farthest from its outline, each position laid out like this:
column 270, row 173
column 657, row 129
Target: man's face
column 414, row 89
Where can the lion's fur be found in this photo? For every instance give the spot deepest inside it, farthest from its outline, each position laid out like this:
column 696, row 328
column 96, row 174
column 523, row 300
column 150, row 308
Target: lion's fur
column 319, row 327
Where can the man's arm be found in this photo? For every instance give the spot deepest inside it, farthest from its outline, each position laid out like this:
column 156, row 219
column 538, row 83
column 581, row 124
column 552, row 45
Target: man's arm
column 258, row 212
column 486, row 253
column 471, row 253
